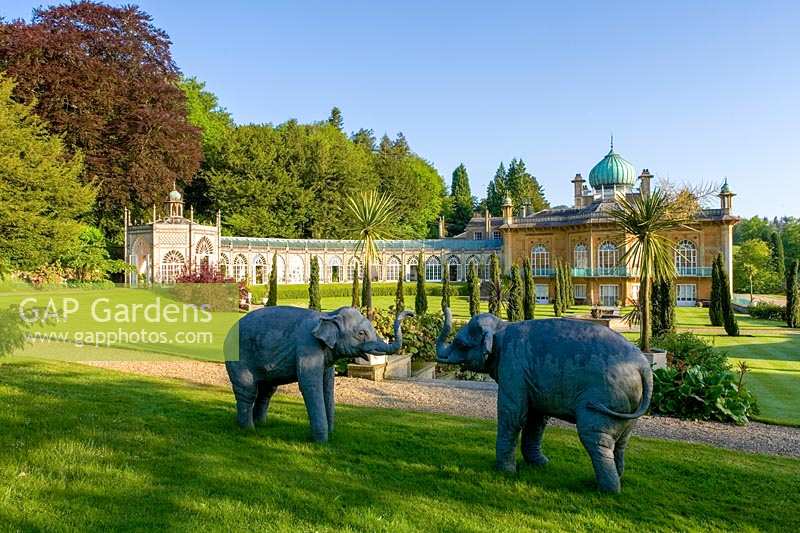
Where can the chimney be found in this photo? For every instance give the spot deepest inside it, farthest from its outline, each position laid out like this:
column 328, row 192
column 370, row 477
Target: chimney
column 487, row 224
column 578, row 182
column 644, row 185
column 508, row 210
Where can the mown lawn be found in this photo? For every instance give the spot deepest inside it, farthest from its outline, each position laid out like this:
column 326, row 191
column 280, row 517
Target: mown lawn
column 770, row 350
column 92, row 450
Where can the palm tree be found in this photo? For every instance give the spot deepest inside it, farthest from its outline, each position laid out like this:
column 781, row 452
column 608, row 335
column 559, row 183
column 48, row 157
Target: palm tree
column 372, row 221
column 645, row 221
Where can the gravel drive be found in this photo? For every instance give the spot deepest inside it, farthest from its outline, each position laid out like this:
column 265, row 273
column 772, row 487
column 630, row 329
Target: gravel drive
column 478, row 399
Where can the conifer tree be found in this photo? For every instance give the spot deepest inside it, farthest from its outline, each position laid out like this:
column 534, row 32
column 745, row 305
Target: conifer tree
column 529, row 288
column 715, row 306
column 445, row 290
column 421, row 300
column 474, row 290
column 355, row 291
column 399, row 296
column 778, row 257
column 461, row 197
column 728, row 316
column 272, row 296
column 496, row 191
column 494, row 276
column 662, row 305
column 314, row 301
column 558, row 296
column 793, row 295
column 514, row 310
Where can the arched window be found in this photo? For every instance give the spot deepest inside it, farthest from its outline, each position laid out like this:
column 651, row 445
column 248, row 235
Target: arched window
column 454, row 268
column 581, row 259
column 296, row 273
column 607, row 261
column 224, row 265
column 239, row 267
column 354, row 269
column 540, row 260
column 172, row 266
column 413, row 267
column 203, row 251
column 686, row 258
column 433, row 269
column 393, row 269
column 259, row 270
column 477, row 263
column 335, row 269
column 280, row 263
column 375, row 269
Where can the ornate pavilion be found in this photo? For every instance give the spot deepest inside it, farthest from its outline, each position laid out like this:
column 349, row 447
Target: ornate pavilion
column 583, row 235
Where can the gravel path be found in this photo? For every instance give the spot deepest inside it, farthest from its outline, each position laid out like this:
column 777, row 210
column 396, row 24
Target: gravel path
column 478, row 399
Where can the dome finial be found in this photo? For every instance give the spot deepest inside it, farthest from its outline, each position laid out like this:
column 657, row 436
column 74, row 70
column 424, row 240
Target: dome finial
column 612, row 142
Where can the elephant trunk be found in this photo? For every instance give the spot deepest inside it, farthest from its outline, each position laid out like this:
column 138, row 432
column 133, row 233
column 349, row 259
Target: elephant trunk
column 384, row 348
column 442, row 348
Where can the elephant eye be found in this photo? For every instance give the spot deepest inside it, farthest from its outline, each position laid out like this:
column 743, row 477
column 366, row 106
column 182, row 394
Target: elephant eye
column 362, row 334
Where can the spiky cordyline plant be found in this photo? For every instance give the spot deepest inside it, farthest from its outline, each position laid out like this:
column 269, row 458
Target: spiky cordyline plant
column 645, row 222
column 372, row 219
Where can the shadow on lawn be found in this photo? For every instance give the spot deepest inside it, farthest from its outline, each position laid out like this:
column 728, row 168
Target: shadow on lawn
column 191, row 463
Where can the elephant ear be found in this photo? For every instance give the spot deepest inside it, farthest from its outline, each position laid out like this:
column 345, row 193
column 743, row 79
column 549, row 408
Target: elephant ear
column 328, row 329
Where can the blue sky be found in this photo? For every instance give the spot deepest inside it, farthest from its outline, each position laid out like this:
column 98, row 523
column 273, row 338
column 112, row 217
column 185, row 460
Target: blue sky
column 691, row 90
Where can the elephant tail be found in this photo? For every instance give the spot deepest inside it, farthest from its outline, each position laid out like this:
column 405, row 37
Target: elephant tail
column 647, row 394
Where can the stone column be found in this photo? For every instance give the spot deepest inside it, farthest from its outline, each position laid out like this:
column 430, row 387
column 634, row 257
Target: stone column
column 727, row 252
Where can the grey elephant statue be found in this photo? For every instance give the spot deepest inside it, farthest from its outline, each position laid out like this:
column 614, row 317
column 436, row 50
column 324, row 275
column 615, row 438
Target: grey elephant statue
column 562, row 368
column 277, row 345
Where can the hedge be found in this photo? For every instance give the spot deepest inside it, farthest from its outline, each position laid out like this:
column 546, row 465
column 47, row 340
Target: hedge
column 343, row 290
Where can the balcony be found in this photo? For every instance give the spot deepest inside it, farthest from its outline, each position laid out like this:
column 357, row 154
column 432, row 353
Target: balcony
column 607, row 272
column 698, row 272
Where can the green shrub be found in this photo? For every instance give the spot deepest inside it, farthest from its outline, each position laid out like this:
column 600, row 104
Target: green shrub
column 699, row 384
column 767, row 311
column 419, row 332
column 700, row 394
column 344, row 290
column 687, row 349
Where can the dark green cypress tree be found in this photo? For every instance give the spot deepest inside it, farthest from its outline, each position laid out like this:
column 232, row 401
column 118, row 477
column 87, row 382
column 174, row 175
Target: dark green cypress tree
column 728, row 316
column 421, row 300
column 474, row 290
column 399, row 296
column 366, row 289
column 494, row 276
column 355, row 291
column 778, row 257
column 314, row 301
column 461, row 197
column 558, row 296
column 514, row 301
column 715, row 306
column 272, row 295
column 445, row 290
column 793, row 295
column 662, row 305
column 529, row 288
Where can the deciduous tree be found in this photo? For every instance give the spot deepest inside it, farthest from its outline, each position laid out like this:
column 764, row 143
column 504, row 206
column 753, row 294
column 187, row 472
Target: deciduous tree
column 104, row 78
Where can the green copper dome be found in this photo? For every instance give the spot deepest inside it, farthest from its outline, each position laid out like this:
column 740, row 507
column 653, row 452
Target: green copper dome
column 612, row 170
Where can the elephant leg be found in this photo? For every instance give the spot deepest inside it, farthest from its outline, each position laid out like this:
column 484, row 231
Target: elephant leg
column 599, row 445
column 245, row 396
column 264, row 395
column 511, row 413
column 328, row 388
column 619, row 450
column 311, row 386
column 532, row 439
